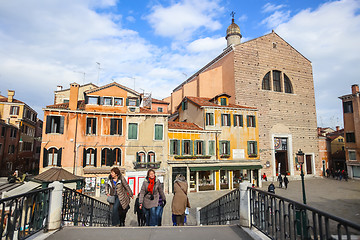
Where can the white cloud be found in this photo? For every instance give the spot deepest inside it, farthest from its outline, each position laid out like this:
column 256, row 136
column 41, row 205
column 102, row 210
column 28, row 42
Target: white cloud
column 181, row 20
column 243, row 18
column 276, row 19
column 207, row 44
column 130, row 19
column 272, row 7
column 329, row 36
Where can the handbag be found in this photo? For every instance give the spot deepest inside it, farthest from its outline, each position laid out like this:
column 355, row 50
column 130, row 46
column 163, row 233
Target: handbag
column 111, row 199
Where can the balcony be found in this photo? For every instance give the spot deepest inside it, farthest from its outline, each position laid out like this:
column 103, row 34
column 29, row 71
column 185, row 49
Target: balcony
column 192, row 157
column 146, row 165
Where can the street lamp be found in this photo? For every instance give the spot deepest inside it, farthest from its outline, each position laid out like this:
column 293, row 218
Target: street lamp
column 300, row 158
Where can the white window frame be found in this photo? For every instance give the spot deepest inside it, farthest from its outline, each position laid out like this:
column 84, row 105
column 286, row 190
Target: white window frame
column 352, row 151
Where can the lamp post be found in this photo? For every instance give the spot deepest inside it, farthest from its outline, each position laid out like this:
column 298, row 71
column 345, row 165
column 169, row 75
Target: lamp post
column 300, row 157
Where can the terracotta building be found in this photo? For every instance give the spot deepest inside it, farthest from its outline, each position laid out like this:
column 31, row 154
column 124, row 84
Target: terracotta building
column 269, row 74
column 23, row 117
column 9, row 148
column 351, row 111
column 108, row 128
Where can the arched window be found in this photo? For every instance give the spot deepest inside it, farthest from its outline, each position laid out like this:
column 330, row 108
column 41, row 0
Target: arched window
column 266, row 82
column 89, row 157
column 277, row 81
column 107, row 157
column 140, row 157
column 52, row 157
column 117, row 156
column 287, row 84
column 151, row 157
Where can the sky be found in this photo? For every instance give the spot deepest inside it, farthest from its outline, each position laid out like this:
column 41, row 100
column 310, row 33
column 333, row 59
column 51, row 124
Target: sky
column 155, row 45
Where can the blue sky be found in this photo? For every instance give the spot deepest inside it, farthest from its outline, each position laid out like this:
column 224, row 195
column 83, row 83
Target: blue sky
column 157, row 43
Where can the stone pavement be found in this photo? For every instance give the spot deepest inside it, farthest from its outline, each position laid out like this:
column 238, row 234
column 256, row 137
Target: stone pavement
column 199, row 199
column 152, row 233
column 339, row 198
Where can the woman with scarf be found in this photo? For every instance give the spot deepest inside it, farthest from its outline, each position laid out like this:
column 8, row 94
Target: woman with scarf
column 117, row 186
column 149, row 197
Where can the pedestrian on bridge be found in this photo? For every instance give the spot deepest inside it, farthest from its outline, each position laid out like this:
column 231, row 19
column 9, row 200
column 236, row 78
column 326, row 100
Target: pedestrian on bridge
column 286, row 181
column 118, row 187
column 149, row 197
column 280, row 179
column 180, row 200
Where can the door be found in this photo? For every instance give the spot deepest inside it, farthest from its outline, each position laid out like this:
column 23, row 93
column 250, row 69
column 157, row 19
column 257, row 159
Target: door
column 281, row 157
column 309, row 164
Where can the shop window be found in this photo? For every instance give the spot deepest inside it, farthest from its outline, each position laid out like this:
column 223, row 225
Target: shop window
column 225, row 120
column 251, row 121
column 350, row 137
column 252, row 148
column 348, row 107
column 91, row 126
column 115, row 126
column 52, row 157
column 89, row 157
column 151, row 157
column 238, row 120
column 266, row 82
column 199, row 148
column 174, row 147
column 132, row 131
column 54, row 124
column 209, row 119
column 277, row 81
column 186, row 147
column 159, row 130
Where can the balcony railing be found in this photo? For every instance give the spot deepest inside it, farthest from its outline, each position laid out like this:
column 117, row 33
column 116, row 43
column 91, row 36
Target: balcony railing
column 25, row 214
column 147, row 165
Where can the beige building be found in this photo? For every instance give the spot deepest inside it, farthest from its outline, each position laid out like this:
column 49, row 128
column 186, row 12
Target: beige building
column 63, row 95
column 269, row 74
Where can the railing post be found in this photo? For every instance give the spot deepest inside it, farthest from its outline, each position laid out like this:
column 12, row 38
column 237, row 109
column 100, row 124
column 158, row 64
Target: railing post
column 91, row 211
column 245, row 204
column 55, row 205
column 198, row 223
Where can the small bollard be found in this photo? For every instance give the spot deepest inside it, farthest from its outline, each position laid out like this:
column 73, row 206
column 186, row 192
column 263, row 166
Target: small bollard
column 55, row 205
column 198, row 222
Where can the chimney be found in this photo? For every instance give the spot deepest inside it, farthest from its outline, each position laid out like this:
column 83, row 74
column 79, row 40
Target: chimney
column 74, row 94
column 59, row 88
column 337, row 128
column 11, row 94
column 355, row 89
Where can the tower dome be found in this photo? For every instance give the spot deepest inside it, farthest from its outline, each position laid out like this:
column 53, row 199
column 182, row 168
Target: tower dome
column 233, row 35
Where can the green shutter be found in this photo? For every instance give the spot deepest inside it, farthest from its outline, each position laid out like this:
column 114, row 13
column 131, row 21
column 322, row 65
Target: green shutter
column 195, row 147
column 127, row 101
column 223, row 101
column 207, row 119
column 255, row 148
column 132, row 131
column 234, row 120
column 172, row 147
column 178, row 147
column 220, row 147
column 204, row 148
column 241, row 121
column 211, row 148
column 137, row 102
column 211, row 119
column 158, row 132
column 254, row 121
column 228, row 147
column 247, row 121
column 248, row 148
column 222, row 119
column 183, row 147
column 229, row 120
column 191, row 147
column 183, row 106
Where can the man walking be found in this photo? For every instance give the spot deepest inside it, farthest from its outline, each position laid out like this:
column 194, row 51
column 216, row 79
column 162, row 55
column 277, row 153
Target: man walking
column 280, row 179
column 286, row 181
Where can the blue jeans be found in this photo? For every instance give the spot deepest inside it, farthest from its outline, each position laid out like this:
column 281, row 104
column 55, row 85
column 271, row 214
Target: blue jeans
column 115, row 212
column 159, row 212
column 151, row 217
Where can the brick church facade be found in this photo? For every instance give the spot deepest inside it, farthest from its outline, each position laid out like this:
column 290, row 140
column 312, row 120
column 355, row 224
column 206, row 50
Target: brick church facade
column 269, row 74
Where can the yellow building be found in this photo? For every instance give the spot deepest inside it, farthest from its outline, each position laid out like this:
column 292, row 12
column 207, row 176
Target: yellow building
column 214, row 143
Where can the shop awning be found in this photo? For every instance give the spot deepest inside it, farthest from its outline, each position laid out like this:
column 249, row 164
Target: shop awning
column 212, row 168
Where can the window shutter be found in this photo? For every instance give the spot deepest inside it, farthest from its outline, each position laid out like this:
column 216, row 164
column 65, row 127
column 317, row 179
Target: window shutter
column 211, row 148
column 172, row 147
column 17, row 110
column 195, row 147
column 221, row 147
column 120, row 126
column 234, row 120
column 222, row 119
column 137, row 157
column 111, row 155
column 86, row 99
column 178, row 147
column 254, row 121
column 61, row 129
column 94, row 126
column 134, row 133
column 255, row 148
column 127, row 101
column 228, row 147
column 45, row 158
column 248, row 148
column 241, row 121
column 48, row 124
column 95, row 157
column 84, row 157
column 137, row 102
column 112, row 126
column 103, row 157
column 204, row 148
column 182, row 147
column 191, row 147
column 211, row 119
column 229, row 120
column 101, row 100
column 207, row 120
column 247, row 121
column 59, row 157
column 183, row 105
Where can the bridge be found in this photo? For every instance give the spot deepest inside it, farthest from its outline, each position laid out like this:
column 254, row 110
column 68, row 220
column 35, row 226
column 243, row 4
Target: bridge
column 58, row 212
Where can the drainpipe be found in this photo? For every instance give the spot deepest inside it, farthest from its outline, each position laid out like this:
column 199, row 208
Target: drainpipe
column 75, row 150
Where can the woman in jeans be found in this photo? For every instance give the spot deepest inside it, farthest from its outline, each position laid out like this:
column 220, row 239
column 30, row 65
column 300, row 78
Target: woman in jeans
column 117, row 186
column 149, row 197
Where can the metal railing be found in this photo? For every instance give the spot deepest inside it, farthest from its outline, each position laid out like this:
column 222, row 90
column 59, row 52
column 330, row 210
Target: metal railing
column 223, row 210
column 281, row 218
column 81, row 210
column 25, row 214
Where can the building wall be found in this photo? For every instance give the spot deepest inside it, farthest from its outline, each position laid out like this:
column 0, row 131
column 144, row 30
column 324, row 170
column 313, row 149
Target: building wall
column 60, row 96
column 338, row 144
column 323, row 153
column 280, row 114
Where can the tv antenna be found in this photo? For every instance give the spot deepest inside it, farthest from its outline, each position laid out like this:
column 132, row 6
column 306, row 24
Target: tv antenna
column 83, row 73
column 99, row 68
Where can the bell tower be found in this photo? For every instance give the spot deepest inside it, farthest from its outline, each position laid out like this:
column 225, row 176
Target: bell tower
column 233, row 35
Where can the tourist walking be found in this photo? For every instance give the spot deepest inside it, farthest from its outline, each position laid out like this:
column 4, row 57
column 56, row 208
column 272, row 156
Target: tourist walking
column 264, row 177
column 149, row 197
column 119, row 192
column 286, row 181
column 180, row 200
column 271, row 188
column 280, row 179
